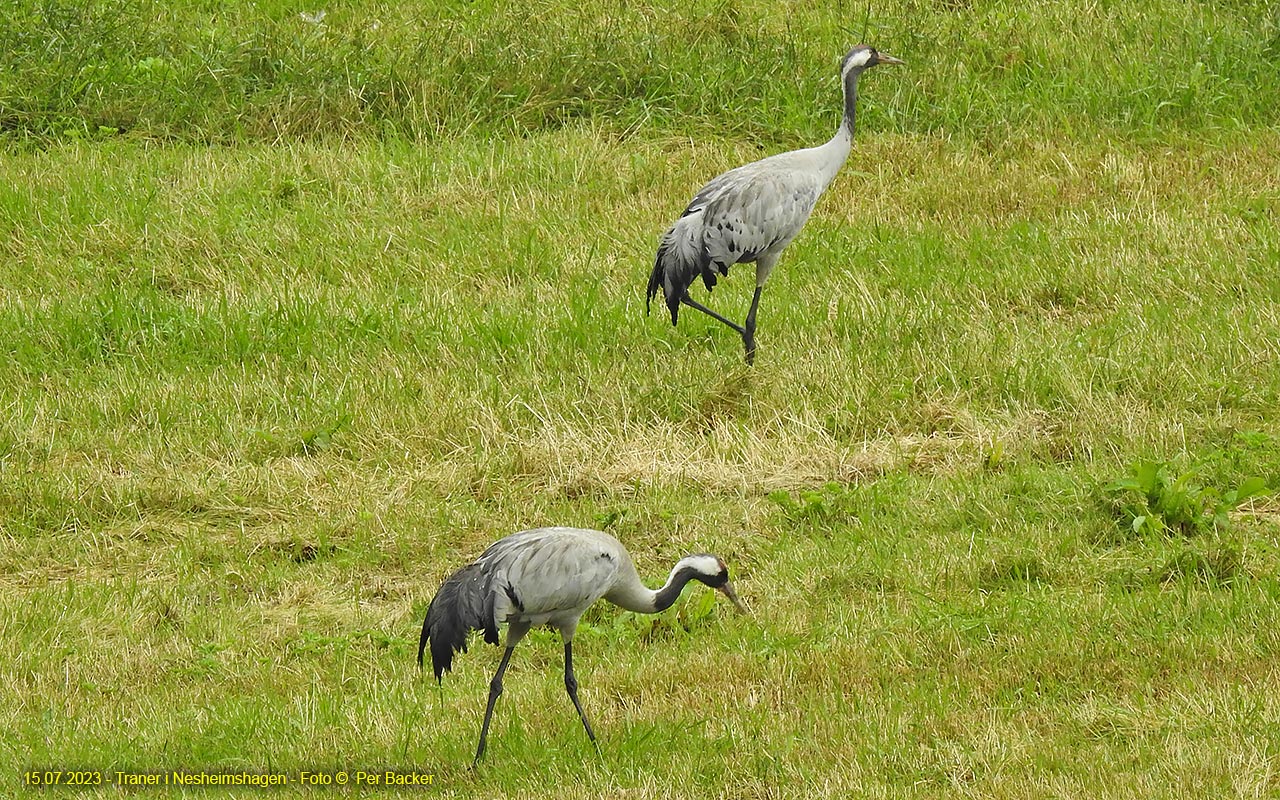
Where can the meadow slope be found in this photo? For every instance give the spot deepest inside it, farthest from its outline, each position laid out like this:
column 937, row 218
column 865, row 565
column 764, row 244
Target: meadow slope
column 300, row 313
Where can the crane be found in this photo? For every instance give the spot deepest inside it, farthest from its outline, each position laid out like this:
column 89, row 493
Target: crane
column 751, row 213
column 548, row 576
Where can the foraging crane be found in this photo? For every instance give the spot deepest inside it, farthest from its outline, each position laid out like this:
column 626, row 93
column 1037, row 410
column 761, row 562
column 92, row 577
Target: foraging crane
column 752, row 213
column 548, row 576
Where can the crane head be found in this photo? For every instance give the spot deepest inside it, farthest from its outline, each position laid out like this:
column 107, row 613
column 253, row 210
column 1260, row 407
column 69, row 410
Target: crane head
column 864, row 56
column 712, row 571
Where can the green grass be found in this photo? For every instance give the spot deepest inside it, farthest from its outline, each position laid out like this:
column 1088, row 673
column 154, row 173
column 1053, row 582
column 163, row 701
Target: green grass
column 298, row 318
column 224, row 71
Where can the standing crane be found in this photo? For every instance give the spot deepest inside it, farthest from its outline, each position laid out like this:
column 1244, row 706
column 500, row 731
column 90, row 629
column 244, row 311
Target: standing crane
column 548, row 576
column 751, row 213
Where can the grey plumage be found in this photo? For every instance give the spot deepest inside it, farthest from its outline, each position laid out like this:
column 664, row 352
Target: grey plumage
column 751, row 213
column 521, row 578
column 547, row 576
column 746, row 215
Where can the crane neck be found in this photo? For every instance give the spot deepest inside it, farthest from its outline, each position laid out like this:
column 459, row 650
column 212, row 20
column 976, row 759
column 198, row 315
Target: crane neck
column 850, row 105
column 635, row 596
column 670, row 592
column 831, row 156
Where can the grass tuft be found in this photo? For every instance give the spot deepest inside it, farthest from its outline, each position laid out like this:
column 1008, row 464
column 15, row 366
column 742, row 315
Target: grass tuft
column 1013, row 572
column 1220, row 567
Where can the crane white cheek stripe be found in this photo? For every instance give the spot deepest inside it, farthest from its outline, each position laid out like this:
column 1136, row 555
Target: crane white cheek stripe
column 858, row 60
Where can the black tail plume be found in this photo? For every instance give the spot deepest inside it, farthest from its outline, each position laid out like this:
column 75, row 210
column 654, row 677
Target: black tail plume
column 463, row 604
column 682, row 259
column 655, row 283
column 422, row 641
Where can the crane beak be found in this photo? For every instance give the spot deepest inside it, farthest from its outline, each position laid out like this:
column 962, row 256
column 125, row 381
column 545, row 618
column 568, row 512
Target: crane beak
column 728, row 591
column 881, row 58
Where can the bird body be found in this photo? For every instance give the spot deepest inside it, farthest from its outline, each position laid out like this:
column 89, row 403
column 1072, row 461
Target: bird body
column 547, row 576
column 751, row 213
column 560, row 572
column 748, row 214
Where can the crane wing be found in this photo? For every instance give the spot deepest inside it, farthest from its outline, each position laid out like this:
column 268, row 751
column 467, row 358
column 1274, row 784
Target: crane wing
column 747, row 214
column 758, row 215
column 552, row 573
column 564, row 574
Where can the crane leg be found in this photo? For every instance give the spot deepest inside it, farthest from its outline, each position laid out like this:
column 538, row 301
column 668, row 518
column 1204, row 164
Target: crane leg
column 571, row 686
column 495, row 689
column 686, row 300
column 749, row 330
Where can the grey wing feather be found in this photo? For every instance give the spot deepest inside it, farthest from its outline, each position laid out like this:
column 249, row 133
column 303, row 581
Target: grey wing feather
column 762, row 217
column 526, row 574
column 562, row 577
column 467, row 602
column 745, row 214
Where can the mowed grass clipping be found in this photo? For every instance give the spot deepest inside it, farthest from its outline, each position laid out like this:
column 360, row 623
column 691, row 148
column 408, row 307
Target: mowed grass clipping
column 262, row 397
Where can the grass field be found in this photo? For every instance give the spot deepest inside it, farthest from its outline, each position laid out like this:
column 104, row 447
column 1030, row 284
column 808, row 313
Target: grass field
column 299, row 314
